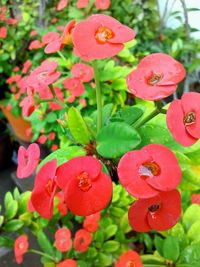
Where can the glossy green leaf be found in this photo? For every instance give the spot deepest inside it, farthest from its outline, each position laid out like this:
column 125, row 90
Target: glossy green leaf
column 11, row 209
column 110, row 231
column 78, row 127
column 6, row 242
column 1, row 220
column 194, row 231
column 14, row 225
column 128, row 115
column 116, row 139
column 103, row 260
column 191, row 215
column 171, row 249
column 111, row 246
column 191, row 255
column 44, row 243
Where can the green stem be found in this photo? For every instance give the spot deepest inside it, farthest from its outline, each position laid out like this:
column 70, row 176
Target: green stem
column 155, row 112
column 98, row 96
column 61, row 55
column 42, row 254
column 55, row 98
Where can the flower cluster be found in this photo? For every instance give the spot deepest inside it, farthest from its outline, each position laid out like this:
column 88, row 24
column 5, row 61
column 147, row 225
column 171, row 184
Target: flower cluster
column 152, row 174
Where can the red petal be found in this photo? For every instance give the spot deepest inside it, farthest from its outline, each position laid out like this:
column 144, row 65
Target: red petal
column 89, row 202
column 191, row 103
column 170, row 172
column 176, row 126
column 72, row 168
column 128, row 172
column 168, row 214
column 137, row 215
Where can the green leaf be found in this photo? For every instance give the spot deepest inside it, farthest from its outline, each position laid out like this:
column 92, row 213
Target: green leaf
column 16, row 193
column 22, row 202
column 103, row 260
column 44, row 243
column 51, row 117
column 191, row 215
column 62, row 155
column 6, row 242
column 14, row 225
column 129, row 114
column 194, row 231
column 110, row 231
column 11, row 210
column 78, row 127
column 1, row 220
column 111, row 246
column 171, row 249
column 106, row 113
column 7, row 199
column 151, row 259
column 158, row 241
column 191, row 255
column 116, row 139
column 124, row 224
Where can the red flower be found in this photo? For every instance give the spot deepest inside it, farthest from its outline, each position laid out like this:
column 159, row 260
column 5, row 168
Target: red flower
column 102, row 4
column 63, row 239
column 67, row 263
column 82, row 3
column 27, row 160
column 27, row 104
column 129, row 259
column 54, row 147
column 91, row 222
column 61, row 206
column 35, row 45
column 20, row 248
column 147, row 171
column 3, row 32
column 14, row 79
column 75, row 86
column 59, row 43
column 62, row 4
column 183, row 119
column 26, row 66
column 195, row 198
column 160, row 212
column 83, row 72
column 100, row 36
column 82, row 240
column 87, row 189
column 42, row 139
column 156, row 77
column 44, row 189
column 49, row 37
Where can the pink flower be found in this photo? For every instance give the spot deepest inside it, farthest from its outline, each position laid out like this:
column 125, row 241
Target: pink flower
column 100, row 36
column 49, row 37
column 145, row 172
column 27, row 160
column 3, row 32
column 183, row 119
column 83, row 72
column 20, row 248
column 62, row 4
column 60, row 96
column 44, row 190
column 63, row 239
column 156, row 77
column 26, row 66
column 42, row 139
column 35, row 45
column 14, row 79
column 102, row 4
column 83, row 102
column 27, row 104
column 33, row 33
column 75, row 86
column 65, row 39
column 195, row 199
column 12, row 21
column 82, row 3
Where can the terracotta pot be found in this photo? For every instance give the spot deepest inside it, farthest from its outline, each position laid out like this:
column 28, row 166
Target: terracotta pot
column 18, row 124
